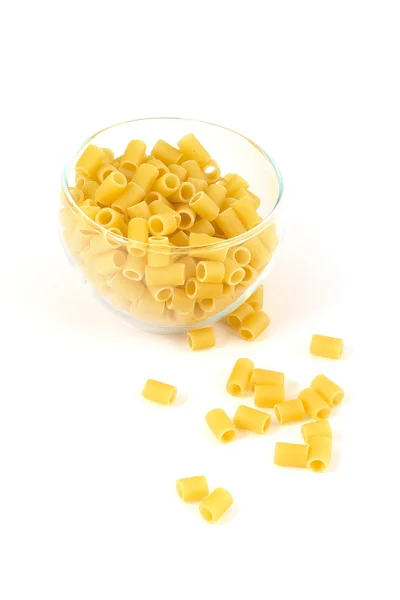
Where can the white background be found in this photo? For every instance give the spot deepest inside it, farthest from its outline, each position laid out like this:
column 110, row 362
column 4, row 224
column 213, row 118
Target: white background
column 88, row 508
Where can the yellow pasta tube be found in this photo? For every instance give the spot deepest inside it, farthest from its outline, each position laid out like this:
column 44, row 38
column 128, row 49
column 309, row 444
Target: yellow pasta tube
column 245, row 210
column 221, row 425
column 254, row 325
column 256, row 300
column 80, row 180
column 215, row 505
column 162, row 206
column 316, row 428
column 188, row 217
column 211, row 171
column 100, row 244
column 76, row 195
column 163, row 393
column 67, row 218
column 256, row 199
column 110, row 188
column 167, row 153
column 180, row 302
column 259, row 253
column 208, row 271
column 167, row 184
column 139, row 211
column 234, row 273
column 109, row 263
column 190, row 266
column 162, row 168
column 184, row 193
column 235, row 183
column 236, row 318
column 200, row 185
column 193, row 150
column 329, row 347
column 145, row 176
column 249, row 274
column 108, row 217
column 203, row 226
column 108, row 155
column 314, row 405
column 217, row 193
column 179, row 171
column 202, row 239
column 138, row 232
column 265, row 377
column 204, row 206
column 330, row 392
column 292, row 410
column 230, row 224
column 148, row 306
column 161, row 293
column 192, row 489
column 251, row 419
column 173, row 274
column 240, row 376
column 201, row 339
column 269, row 237
column 134, row 268
column 227, row 203
column 240, row 254
column 198, row 290
column 133, row 155
column 266, row 396
column 159, row 251
column 207, row 304
column 290, row 455
column 319, row 453
column 179, row 238
column 104, row 171
column 89, row 189
column 193, row 169
column 90, row 160
column 242, row 193
column 129, row 290
column 162, row 224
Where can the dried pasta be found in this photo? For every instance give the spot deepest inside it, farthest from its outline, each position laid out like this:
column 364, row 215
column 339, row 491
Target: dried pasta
column 287, row 412
column 266, row 377
column 316, row 428
column 251, row 419
column 215, row 505
column 221, row 425
column 192, row 489
column 240, row 376
column 330, row 391
column 160, row 392
column 267, row 396
column 329, row 347
column 314, row 405
column 254, row 325
column 290, row 455
column 319, row 453
column 201, row 339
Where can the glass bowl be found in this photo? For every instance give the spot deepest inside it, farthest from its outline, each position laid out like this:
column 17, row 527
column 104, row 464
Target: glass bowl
column 102, row 252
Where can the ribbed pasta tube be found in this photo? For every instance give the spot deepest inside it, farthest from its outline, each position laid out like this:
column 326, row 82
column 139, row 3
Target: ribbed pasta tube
column 267, row 396
column 314, row 405
column 251, row 419
column 192, row 489
column 254, row 325
column 287, row 412
column 221, row 425
column 330, row 391
column 215, row 505
column 201, row 339
column 319, row 453
column 316, row 428
column 240, row 376
column 329, row 347
column 160, row 392
column 290, row 455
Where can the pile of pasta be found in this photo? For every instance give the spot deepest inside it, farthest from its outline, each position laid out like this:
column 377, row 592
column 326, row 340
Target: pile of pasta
column 159, row 235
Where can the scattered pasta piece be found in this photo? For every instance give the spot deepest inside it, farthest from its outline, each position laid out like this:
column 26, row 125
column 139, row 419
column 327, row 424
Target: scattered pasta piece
column 316, row 428
column 256, row 300
column 251, row 419
column 254, row 325
column 221, row 425
column 265, row 377
column 200, row 339
column 319, row 453
column 329, row 347
column 192, row 489
column 330, row 392
column 287, row 412
column 215, row 505
column 236, row 318
column 240, row 376
column 314, row 405
column 266, row 396
column 163, row 393
column 290, row 455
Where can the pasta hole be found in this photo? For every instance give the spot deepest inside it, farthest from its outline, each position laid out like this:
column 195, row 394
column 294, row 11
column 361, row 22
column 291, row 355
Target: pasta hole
column 208, row 304
column 201, row 272
column 246, row 334
column 164, row 295
column 317, row 465
column 338, row 397
column 156, row 225
column 171, row 181
column 105, row 217
column 227, row 436
column 206, row 514
column 323, row 413
column 234, row 321
column 133, row 275
column 195, row 198
column 237, row 277
column 187, row 191
column 118, row 178
column 119, row 259
column 191, row 288
column 242, row 256
column 234, row 389
column 151, row 196
column 210, row 169
column 248, row 274
column 186, row 220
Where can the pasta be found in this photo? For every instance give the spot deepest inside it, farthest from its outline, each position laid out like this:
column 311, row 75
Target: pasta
column 330, row 392
column 240, row 254
column 133, row 155
column 314, row 405
column 221, row 425
column 167, row 184
column 162, row 168
column 179, row 171
column 251, row 419
column 167, row 153
column 108, row 217
column 159, row 252
column 90, row 160
column 190, row 266
column 319, row 453
column 204, row 206
column 316, row 428
column 235, row 183
column 292, row 410
column 99, row 244
column 211, row 171
column 208, row 271
column 188, row 217
column 179, row 238
column 110, row 188
column 202, row 239
column 123, row 287
column 215, row 505
column 193, row 150
column 139, row 211
column 235, row 319
column 329, row 347
column 267, row 396
column 172, row 274
column 254, row 325
column 148, row 306
column 200, row 339
column 138, row 234
column 134, row 268
column 108, row 155
column 245, row 210
column 203, row 226
column 217, row 193
column 104, row 171
column 132, row 195
column 161, row 293
column 198, row 290
column 200, row 185
column 145, row 177
column 240, row 376
column 290, row 455
column 162, row 224
column 265, row 377
column 109, row 263
column 193, row 169
column 163, row 393
column 89, row 189
column 192, row 489
column 260, row 256
column 181, row 303
column 184, row 193
column 229, row 223
column 234, row 274
column 256, row 300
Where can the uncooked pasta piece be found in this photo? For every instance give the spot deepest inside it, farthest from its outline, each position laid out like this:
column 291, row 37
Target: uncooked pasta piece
column 203, row 226
column 251, row 419
column 162, row 224
column 193, row 150
column 180, row 238
column 179, row 171
column 163, row 393
column 184, row 193
column 201, row 243
column 90, row 160
column 140, row 210
column 256, row 300
column 314, row 405
column 233, row 273
column 330, row 392
column 159, row 251
column 192, row 489
column 240, row 376
column 161, row 293
column 123, row 287
column 245, row 210
column 260, row 256
column 200, row 185
column 215, row 505
column 319, row 453
column 236, row 318
column 162, row 168
column 287, row 412
column 134, row 155
column 167, row 184
column 89, row 189
column 104, row 170
column 167, row 153
column 201, row 339
column 108, row 155
column 221, row 425
column 235, row 183
column 229, row 223
column 217, row 193
column 254, row 325
column 190, row 266
column 145, row 176
column 290, row 455
column 108, row 217
column 329, row 347
column 208, row 271
column 265, row 377
column 204, row 206
column 138, row 234
column 198, row 290
column 266, row 396
column 132, row 195
column 171, row 275
column 316, row 428
column 188, row 217
column 211, row 171
column 109, row 263
column 134, row 267
column 180, row 302
column 110, row 188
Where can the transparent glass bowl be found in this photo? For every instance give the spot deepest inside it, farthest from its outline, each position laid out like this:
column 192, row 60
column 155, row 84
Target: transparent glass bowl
column 234, row 153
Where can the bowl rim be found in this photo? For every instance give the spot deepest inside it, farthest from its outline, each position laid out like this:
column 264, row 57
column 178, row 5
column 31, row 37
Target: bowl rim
column 220, row 244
